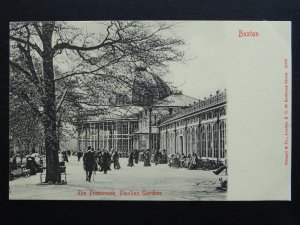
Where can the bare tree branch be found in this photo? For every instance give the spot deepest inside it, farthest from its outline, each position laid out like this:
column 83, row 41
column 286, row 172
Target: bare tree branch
column 30, row 103
column 65, row 45
column 27, row 74
column 62, row 99
column 27, row 54
column 35, row 25
column 34, row 46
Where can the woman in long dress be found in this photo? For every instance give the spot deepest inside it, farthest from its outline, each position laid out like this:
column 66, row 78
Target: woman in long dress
column 130, row 159
column 147, row 158
column 116, row 160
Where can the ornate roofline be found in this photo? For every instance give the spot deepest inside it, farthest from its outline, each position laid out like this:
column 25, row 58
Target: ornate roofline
column 211, row 101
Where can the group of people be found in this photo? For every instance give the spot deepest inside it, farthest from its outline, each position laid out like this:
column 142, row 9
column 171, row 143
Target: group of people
column 183, row 161
column 99, row 161
column 102, row 160
column 33, row 162
column 145, row 155
column 133, row 156
column 160, row 157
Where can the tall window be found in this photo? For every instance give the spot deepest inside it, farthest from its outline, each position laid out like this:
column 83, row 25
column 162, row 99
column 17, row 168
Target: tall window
column 203, row 140
column 209, row 140
column 189, row 141
column 198, row 143
column 222, row 139
column 177, row 141
column 194, row 140
column 125, row 128
column 170, row 142
column 216, row 140
column 125, row 145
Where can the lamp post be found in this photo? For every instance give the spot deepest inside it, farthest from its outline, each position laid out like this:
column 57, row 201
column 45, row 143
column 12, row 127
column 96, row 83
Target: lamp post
column 150, row 131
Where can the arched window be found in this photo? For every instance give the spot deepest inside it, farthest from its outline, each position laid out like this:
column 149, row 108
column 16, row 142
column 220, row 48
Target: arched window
column 222, row 139
column 216, row 140
column 209, row 140
column 203, row 140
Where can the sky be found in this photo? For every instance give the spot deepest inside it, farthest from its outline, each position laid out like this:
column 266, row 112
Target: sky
column 201, row 72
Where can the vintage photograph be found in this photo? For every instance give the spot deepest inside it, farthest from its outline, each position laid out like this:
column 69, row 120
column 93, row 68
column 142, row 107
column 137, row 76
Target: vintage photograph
column 117, row 110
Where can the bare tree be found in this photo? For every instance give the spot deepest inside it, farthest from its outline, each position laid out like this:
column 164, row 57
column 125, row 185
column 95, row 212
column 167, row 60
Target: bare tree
column 64, row 66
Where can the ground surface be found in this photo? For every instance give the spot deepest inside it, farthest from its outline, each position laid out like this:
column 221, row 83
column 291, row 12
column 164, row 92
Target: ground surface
column 167, row 183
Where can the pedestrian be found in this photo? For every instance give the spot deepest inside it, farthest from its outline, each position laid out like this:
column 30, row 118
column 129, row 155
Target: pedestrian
column 130, row 159
column 194, row 161
column 109, row 159
column 156, row 157
column 188, row 160
column 142, row 155
column 136, row 156
column 95, row 160
column 182, row 160
column 177, row 159
column 14, row 162
column 100, row 160
column 116, row 160
column 106, row 161
column 88, row 163
column 147, row 158
column 65, row 156
column 171, row 160
column 79, row 155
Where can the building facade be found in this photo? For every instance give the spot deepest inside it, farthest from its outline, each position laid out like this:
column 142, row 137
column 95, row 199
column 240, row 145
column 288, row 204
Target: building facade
column 178, row 124
column 200, row 128
column 148, row 136
column 107, row 134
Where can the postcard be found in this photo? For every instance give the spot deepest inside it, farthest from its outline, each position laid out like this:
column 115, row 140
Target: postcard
column 150, row 110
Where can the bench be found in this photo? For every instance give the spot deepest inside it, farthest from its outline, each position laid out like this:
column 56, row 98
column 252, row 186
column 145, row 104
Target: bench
column 62, row 170
column 21, row 171
column 16, row 173
column 25, row 172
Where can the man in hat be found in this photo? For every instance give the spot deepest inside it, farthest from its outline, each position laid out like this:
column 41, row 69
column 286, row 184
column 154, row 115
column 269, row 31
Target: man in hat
column 136, row 156
column 130, row 159
column 88, row 163
column 106, row 161
column 79, row 155
column 116, row 160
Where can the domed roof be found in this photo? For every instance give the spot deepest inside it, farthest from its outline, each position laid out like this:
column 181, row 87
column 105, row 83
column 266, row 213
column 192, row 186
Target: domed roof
column 148, row 88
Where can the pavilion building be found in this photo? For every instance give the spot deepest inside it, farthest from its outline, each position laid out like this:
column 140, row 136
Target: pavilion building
column 200, row 128
column 178, row 124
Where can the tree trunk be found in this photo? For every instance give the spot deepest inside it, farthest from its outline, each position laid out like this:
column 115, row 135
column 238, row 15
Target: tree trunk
column 51, row 140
